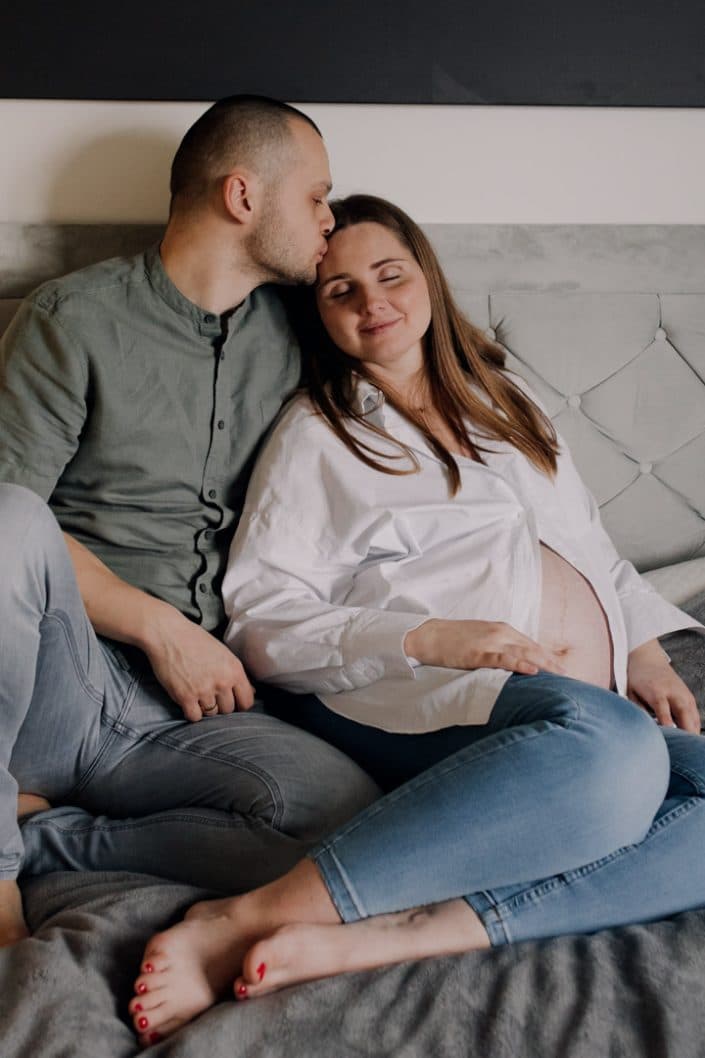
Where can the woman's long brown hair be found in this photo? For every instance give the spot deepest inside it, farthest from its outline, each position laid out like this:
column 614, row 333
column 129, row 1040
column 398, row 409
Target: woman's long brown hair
column 455, row 351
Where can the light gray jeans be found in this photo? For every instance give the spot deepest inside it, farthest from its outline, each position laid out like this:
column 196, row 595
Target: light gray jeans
column 227, row 803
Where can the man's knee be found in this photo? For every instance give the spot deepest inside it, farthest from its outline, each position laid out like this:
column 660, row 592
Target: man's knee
column 323, row 790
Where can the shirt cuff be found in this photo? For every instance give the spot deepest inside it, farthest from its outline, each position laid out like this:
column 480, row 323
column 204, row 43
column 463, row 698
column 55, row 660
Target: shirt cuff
column 648, row 616
column 373, row 646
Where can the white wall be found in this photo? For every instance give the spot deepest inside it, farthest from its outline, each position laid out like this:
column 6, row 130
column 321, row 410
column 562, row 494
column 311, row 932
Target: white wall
column 98, row 161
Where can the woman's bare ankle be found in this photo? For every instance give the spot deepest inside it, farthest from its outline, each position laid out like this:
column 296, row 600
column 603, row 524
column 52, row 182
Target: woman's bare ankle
column 12, row 924
column 29, row 803
column 298, row 896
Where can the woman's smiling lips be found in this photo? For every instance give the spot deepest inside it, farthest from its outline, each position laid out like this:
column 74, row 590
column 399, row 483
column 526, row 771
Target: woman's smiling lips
column 379, row 328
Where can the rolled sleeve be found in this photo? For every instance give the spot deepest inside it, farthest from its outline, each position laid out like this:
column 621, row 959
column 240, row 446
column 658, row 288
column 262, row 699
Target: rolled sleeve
column 43, row 385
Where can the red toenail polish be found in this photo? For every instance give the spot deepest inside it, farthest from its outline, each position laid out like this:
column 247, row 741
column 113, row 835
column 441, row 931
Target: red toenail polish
column 137, row 1009
column 242, row 991
column 148, row 968
column 261, row 970
column 141, row 988
column 143, row 1024
column 154, row 1037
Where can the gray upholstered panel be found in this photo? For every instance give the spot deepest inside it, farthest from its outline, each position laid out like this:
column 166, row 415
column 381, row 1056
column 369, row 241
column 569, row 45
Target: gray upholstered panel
column 629, row 403
column 606, row 323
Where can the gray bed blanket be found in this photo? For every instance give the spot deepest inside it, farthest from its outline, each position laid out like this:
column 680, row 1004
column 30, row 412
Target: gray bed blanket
column 635, row 992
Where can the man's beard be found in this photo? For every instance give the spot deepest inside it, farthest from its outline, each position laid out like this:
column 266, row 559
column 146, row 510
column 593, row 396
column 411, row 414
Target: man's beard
column 273, row 255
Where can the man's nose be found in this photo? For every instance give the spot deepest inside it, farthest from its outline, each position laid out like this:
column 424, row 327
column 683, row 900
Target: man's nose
column 328, row 221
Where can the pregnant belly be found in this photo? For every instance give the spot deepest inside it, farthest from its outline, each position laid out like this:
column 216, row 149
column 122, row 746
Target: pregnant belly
column 573, row 623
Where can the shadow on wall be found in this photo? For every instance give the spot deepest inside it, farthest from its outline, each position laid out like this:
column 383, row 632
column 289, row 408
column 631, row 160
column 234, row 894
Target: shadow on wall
column 118, row 185
column 120, row 177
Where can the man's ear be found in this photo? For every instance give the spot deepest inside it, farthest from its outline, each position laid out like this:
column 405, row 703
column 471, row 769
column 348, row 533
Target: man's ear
column 241, row 195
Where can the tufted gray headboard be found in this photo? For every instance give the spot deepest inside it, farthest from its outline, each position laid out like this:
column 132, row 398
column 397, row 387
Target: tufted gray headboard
column 606, row 323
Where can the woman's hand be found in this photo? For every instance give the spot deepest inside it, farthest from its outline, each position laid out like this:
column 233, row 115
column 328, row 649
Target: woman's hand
column 479, row 645
column 652, row 683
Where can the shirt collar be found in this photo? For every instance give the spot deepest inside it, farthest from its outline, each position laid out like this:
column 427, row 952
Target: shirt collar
column 206, row 323
column 368, row 397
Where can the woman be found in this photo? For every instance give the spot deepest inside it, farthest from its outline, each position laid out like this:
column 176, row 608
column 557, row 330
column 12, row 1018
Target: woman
column 417, row 549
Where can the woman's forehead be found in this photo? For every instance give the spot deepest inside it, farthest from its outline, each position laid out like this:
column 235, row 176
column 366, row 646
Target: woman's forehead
column 360, row 246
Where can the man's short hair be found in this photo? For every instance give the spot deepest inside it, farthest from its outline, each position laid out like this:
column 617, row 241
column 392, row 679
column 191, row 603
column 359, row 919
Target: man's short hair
column 238, row 130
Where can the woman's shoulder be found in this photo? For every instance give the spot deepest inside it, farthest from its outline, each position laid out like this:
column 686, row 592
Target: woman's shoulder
column 299, row 444
column 299, row 420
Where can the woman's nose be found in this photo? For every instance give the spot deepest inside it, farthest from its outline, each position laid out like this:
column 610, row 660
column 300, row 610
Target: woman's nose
column 371, row 301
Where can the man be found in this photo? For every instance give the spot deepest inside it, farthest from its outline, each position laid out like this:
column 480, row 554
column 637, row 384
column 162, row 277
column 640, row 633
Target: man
column 134, row 394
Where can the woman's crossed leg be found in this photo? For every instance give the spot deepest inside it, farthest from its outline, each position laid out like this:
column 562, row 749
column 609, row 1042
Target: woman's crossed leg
column 576, row 778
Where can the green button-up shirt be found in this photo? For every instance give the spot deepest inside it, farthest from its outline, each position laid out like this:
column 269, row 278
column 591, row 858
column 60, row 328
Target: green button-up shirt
column 137, row 415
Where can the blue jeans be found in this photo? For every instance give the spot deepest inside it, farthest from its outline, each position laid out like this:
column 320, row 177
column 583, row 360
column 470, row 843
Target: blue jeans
column 570, row 811
column 227, row 803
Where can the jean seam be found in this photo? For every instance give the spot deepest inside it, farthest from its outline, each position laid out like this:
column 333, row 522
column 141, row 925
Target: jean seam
column 62, row 620
column 167, row 816
column 695, row 780
column 534, row 895
column 113, row 732
column 120, row 729
column 487, row 911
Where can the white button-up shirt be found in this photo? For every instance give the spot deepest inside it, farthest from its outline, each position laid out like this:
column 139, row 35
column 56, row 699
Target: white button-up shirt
column 334, row 562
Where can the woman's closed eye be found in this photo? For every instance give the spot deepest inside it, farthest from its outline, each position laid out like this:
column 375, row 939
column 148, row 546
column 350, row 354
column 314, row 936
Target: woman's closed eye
column 338, row 292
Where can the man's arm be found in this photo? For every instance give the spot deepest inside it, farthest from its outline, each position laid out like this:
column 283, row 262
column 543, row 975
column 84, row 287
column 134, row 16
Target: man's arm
column 196, row 670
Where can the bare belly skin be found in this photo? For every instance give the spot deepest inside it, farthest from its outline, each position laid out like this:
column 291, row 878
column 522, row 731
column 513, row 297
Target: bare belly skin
column 572, row 622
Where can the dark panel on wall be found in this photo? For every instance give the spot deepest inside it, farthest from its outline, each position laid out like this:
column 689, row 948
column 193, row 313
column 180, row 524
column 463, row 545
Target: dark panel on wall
column 618, row 53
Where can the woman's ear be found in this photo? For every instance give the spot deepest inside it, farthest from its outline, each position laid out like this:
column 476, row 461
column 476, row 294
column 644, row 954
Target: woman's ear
column 240, row 195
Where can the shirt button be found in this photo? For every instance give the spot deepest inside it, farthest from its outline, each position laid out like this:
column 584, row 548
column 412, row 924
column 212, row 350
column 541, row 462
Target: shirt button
column 209, row 317
column 646, row 468
column 574, row 401
column 212, row 494
column 221, row 424
column 222, row 354
column 209, row 534
column 203, row 588
column 491, row 333
column 660, row 335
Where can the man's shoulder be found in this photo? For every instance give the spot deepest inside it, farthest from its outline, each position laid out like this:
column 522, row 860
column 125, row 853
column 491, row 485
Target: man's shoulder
column 271, row 303
column 101, row 281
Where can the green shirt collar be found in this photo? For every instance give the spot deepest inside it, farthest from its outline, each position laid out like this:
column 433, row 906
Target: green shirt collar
column 206, row 323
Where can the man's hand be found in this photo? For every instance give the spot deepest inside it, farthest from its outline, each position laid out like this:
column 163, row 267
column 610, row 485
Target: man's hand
column 652, row 683
column 479, row 645
column 197, row 671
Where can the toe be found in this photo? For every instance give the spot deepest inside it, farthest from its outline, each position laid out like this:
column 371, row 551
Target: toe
column 149, row 1001
column 153, row 1035
column 155, row 961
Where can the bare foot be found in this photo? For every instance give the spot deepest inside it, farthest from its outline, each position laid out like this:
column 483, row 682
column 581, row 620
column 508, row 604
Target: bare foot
column 12, row 924
column 304, row 952
column 188, row 968
column 29, row 803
